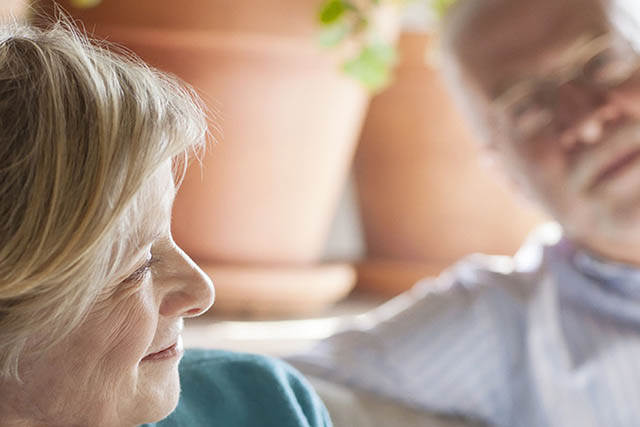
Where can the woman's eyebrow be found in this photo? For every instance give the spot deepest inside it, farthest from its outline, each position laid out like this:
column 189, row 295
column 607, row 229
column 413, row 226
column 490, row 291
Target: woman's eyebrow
column 144, row 238
column 151, row 237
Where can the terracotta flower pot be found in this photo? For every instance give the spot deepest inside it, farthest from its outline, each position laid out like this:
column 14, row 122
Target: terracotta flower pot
column 275, row 18
column 259, row 209
column 426, row 198
column 268, row 189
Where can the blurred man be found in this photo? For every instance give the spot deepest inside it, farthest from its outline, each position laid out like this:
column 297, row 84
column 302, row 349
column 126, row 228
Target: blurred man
column 550, row 337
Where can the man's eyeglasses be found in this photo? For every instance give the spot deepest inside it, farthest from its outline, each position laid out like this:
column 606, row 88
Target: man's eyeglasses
column 594, row 63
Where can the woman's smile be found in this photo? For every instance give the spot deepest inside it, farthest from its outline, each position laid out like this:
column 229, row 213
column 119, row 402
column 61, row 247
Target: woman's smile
column 173, row 351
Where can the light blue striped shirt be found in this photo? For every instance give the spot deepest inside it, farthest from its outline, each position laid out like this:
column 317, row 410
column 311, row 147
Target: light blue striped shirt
column 550, row 337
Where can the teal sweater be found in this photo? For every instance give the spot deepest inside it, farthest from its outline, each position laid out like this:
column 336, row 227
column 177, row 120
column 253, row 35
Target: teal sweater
column 224, row 389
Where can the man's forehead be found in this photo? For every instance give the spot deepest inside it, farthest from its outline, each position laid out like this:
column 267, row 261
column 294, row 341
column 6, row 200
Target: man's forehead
column 508, row 39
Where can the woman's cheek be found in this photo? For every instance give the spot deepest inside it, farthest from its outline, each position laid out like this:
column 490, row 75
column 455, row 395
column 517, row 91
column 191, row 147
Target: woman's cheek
column 119, row 332
column 135, row 327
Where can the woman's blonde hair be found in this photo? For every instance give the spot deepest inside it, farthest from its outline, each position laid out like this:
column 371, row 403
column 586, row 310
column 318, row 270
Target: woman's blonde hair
column 81, row 130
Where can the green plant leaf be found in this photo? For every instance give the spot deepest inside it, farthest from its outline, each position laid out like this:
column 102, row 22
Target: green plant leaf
column 333, row 34
column 84, row 4
column 372, row 66
column 441, row 6
column 331, row 11
column 382, row 52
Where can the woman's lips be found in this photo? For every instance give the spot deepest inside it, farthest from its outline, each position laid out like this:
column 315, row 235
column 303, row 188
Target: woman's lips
column 173, row 351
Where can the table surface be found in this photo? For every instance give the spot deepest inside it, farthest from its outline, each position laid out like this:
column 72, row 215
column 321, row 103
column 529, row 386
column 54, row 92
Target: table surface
column 275, row 337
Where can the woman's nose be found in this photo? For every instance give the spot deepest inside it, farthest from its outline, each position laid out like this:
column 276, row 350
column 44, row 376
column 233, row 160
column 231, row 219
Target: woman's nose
column 191, row 291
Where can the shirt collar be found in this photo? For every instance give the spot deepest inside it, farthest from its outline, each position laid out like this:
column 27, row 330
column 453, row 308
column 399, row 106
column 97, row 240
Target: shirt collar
column 623, row 278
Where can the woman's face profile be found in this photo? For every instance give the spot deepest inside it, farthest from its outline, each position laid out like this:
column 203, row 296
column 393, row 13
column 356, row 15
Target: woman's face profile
column 119, row 367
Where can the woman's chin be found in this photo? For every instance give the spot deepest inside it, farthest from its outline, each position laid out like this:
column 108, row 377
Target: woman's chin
column 159, row 392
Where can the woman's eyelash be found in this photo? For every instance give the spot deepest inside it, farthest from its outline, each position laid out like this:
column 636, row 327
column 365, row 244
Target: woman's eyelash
column 141, row 272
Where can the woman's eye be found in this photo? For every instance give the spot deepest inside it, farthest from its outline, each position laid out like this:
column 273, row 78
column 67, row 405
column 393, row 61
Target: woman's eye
column 141, row 272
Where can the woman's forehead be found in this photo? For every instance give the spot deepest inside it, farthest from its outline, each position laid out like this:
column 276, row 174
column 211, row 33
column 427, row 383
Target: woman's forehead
column 150, row 215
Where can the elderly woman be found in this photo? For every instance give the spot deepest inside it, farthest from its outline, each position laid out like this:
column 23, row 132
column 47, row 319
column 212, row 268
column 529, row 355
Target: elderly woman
column 93, row 289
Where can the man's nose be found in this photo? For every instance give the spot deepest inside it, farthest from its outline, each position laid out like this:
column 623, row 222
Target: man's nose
column 191, row 293
column 591, row 128
column 585, row 114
